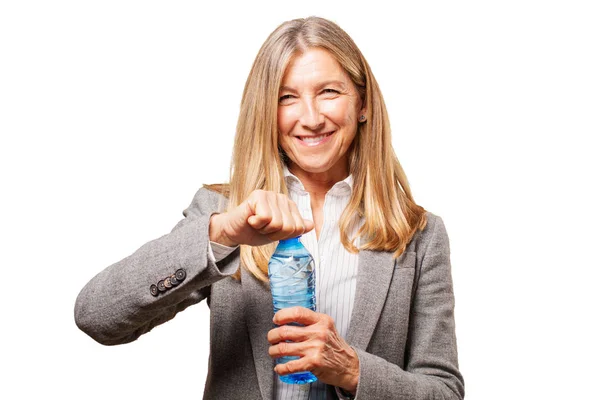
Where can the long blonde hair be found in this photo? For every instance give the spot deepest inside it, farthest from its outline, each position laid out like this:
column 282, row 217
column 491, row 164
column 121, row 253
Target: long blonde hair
column 380, row 193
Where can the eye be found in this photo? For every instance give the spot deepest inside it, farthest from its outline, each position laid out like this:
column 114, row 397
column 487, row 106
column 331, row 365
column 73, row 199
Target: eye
column 330, row 93
column 285, row 97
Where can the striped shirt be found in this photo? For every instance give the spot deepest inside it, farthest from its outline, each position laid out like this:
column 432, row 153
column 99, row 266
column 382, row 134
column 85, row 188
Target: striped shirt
column 336, row 271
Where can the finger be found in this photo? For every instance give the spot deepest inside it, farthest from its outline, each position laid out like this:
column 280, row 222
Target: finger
column 299, row 225
column 287, row 349
column 289, row 223
column 297, row 314
column 276, row 222
column 309, row 225
column 292, row 366
column 288, row 332
column 262, row 214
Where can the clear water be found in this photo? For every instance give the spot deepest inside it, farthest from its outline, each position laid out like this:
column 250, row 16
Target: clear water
column 292, row 279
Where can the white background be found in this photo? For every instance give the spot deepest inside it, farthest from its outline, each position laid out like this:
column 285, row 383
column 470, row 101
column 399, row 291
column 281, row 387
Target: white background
column 113, row 114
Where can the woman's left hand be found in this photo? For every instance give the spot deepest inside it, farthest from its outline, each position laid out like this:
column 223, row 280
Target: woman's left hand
column 321, row 349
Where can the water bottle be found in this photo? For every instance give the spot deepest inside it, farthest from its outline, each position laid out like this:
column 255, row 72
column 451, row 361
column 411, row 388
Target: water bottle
column 292, row 278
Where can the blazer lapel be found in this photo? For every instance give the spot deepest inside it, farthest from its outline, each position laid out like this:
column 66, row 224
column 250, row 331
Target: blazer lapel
column 375, row 270
column 259, row 317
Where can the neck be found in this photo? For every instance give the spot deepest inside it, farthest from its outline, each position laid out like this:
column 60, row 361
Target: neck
column 318, row 183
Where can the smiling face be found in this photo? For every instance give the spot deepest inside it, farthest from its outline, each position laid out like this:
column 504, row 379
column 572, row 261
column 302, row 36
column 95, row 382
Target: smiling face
column 317, row 116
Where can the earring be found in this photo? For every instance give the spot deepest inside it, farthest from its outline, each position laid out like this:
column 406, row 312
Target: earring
column 362, row 118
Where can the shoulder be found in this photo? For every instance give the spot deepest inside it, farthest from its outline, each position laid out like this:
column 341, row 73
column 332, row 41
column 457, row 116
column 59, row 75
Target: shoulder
column 206, row 201
column 433, row 238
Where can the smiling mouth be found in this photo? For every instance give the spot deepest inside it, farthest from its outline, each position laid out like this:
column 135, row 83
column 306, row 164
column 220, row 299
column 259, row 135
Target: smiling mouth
column 314, row 140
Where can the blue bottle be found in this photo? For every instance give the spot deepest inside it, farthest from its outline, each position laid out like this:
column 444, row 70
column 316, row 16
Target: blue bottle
column 292, row 278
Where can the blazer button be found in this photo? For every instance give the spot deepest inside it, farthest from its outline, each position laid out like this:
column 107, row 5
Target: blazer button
column 167, row 283
column 154, row 290
column 173, row 280
column 161, row 286
column 180, row 275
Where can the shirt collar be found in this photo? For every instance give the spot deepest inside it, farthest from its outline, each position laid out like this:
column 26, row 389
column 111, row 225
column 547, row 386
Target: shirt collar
column 341, row 188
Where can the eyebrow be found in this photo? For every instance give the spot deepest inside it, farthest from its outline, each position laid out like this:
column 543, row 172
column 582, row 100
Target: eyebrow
column 320, row 85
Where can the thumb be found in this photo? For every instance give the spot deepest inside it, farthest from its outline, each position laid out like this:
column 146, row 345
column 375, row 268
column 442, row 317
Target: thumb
column 248, row 208
column 239, row 216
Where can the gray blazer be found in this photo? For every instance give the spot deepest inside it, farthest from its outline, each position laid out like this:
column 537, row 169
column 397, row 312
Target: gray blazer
column 402, row 325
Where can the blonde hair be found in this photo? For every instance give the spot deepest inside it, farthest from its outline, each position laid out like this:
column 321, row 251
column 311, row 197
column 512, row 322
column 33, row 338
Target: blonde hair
column 380, row 194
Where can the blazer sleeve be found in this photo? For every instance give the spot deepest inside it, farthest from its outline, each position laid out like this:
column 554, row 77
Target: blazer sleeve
column 117, row 305
column 431, row 360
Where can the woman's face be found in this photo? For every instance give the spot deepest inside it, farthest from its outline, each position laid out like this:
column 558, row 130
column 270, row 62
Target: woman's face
column 318, row 114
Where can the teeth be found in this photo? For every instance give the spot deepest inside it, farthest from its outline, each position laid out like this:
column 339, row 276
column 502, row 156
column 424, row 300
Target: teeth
column 314, row 139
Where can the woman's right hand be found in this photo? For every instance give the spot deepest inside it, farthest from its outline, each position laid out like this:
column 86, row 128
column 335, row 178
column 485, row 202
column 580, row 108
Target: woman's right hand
column 264, row 217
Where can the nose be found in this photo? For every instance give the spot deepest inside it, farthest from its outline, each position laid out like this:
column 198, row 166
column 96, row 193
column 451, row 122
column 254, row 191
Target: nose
column 310, row 115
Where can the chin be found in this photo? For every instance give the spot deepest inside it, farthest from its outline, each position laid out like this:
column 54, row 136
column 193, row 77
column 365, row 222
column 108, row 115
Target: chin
column 314, row 169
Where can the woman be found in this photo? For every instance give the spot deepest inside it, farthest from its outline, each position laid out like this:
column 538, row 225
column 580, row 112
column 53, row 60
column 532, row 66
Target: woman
column 312, row 157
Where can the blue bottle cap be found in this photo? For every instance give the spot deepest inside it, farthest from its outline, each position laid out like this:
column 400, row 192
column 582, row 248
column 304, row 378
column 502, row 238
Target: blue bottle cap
column 290, row 240
column 290, row 243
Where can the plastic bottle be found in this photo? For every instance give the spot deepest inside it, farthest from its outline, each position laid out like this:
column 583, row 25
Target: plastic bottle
column 292, row 279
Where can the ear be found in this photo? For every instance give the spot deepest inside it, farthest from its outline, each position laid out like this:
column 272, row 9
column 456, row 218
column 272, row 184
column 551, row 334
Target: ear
column 363, row 105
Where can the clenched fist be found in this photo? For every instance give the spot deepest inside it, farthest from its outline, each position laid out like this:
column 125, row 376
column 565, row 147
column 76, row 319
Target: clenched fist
column 264, row 217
